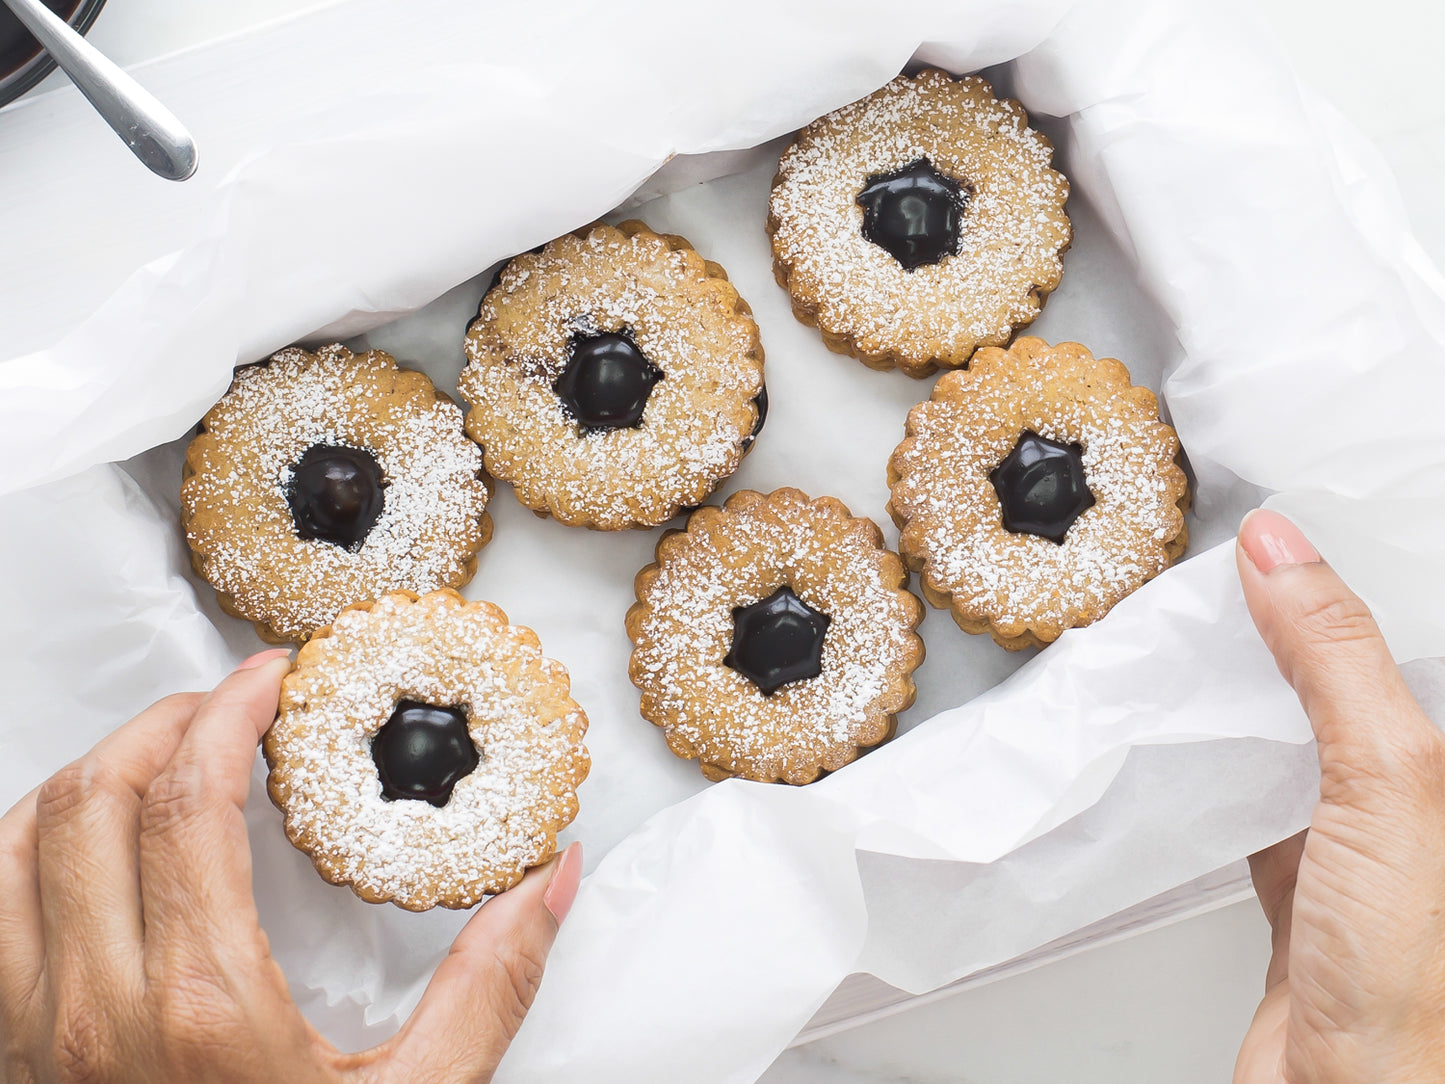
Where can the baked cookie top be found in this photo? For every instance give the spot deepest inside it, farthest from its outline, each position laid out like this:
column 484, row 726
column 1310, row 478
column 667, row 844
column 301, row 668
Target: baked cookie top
column 426, row 752
column 1036, row 490
column 614, row 377
column 919, row 223
column 323, row 479
column 774, row 637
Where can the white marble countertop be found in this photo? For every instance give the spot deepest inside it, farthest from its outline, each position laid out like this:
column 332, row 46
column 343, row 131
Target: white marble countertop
column 1166, row 1005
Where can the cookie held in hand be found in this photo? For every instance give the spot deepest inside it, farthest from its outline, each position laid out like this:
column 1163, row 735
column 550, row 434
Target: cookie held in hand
column 426, row 753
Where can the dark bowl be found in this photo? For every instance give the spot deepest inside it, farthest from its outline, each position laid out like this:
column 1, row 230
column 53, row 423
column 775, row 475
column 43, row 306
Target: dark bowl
column 22, row 62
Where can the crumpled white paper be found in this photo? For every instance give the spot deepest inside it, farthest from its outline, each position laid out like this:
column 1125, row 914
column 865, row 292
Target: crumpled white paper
column 1237, row 245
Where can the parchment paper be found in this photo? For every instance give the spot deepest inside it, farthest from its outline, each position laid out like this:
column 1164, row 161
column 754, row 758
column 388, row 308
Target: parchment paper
column 1237, row 246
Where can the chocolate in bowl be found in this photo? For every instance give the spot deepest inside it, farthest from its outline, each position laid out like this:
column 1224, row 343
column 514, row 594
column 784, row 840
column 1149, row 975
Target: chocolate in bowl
column 22, row 62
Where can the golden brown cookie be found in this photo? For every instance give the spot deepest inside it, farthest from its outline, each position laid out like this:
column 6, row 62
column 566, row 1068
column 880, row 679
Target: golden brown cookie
column 1036, row 490
column 426, row 752
column 614, row 378
column 773, row 638
column 919, row 223
column 320, row 480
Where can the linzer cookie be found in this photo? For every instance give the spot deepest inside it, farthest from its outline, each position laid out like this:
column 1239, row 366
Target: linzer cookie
column 919, row 223
column 614, row 378
column 323, row 479
column 773, row 638
column 426, row 752
column 1036, row 490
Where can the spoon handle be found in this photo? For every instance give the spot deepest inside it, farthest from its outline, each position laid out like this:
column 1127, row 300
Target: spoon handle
column 149, row 129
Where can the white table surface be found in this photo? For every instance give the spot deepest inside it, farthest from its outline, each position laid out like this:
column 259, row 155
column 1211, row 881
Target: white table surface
column 1169, row 1005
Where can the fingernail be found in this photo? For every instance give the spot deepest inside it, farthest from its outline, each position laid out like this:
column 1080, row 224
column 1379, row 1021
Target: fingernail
column 261, row 658
column 562, row 888
column 1273, row 542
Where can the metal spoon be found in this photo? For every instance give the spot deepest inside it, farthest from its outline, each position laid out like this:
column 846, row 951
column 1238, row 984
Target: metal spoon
column 149, row 129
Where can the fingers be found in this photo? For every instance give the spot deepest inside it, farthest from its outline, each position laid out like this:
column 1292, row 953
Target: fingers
column 1261, row 1056
column 22, row 930
column 89, row 856
column 68, row 856
column 1329, row 648
column 195, row 859
column 480, row 993
column 1275, row 871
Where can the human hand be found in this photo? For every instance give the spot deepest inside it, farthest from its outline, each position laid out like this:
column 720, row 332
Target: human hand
column 1355, row 990
column 130, row 948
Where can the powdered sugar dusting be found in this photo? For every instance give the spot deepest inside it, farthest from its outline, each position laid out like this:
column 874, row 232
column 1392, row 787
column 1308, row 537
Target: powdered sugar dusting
column 238, row 518
column 1022, row 581
column 736, row 557
column 1013, row 229
column 685, row 322
column 501, row 818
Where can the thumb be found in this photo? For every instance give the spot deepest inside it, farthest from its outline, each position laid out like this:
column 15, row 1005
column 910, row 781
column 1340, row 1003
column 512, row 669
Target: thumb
column 1328, row 647
column 480, row 993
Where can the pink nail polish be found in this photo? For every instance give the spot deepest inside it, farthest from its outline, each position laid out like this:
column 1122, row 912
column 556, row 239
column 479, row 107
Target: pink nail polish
column 261, row 658
column 562, row 888
column 1273, row 542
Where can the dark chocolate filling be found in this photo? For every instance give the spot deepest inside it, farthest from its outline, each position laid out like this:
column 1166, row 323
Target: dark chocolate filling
column 761, row 401
column 606, row 381
column 777, row 640
column 1041, row 487
column 336, row 494
column 914, row 214
column 17, row 46
column 422, row 752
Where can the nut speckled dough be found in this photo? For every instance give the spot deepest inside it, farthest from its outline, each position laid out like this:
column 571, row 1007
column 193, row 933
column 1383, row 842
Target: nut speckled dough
column 1013, row 234
column 1022, row 589
column 682, row 624
column 684, row 316
column 240, row 528
column 501, row 819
